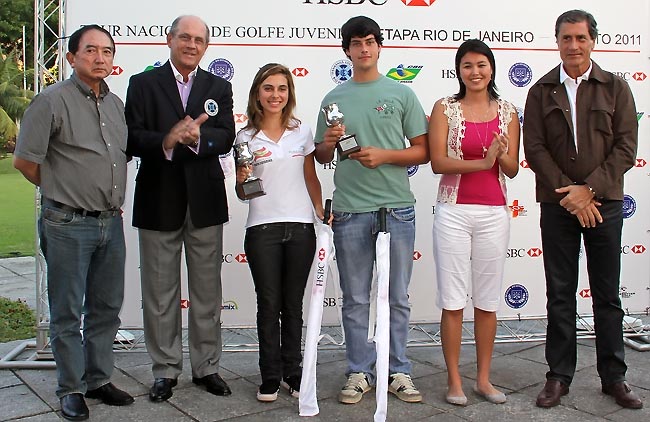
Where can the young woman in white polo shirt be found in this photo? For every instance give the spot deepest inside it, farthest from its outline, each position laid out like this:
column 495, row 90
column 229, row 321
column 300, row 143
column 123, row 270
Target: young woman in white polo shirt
column 280, row 241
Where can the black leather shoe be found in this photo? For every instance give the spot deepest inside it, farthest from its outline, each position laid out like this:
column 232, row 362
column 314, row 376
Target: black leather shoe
column 73, row 407
column 551, row 393
column 110, row 395
column 623, row 394
column 213, row 384
column 161, row 389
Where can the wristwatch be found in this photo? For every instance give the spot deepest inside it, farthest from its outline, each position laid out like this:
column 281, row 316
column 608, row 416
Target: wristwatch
column 591, row 190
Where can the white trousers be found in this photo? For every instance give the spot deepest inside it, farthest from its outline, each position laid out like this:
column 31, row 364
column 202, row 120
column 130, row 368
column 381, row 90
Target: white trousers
column 469, row 246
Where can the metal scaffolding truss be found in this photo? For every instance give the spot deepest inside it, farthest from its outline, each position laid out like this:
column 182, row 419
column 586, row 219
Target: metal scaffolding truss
column 49, row 22
column 49, row 64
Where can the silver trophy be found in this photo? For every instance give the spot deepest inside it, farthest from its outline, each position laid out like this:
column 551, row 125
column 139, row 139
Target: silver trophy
column 347, row 144
column 252, row 186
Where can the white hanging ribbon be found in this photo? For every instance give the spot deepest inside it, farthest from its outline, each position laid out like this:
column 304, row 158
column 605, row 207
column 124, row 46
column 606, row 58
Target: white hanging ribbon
column 382, row 332
column 307, row 401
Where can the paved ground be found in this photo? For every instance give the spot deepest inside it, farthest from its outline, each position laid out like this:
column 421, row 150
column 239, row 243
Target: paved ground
column 518, row 369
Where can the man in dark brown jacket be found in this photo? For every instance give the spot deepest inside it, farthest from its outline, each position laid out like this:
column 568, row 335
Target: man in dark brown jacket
column 580, row 137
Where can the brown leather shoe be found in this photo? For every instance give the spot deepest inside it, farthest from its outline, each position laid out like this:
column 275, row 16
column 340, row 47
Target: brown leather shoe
column 551, row 393
column 623, row 394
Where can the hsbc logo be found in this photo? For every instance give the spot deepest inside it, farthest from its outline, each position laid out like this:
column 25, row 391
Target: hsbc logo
column 321, row 254
column 524, row 164
column 637, row 76
column 425, row 3
column 240, row 118
column 522, row 252
column 241, row 258
column 640, row 162
column 534, row 252
column 347, row 2
column 448, row 73
column 636, row 249
column 585, row 293
column 330, row 302
column 515, row 253
column 416, row 255
column 330, row 166
column 117, row 70
column 185, row 303
column 517, row 209
column 300, row 72
column 624, row 75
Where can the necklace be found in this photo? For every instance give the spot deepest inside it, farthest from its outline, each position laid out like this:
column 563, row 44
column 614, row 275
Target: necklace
column 483, row 140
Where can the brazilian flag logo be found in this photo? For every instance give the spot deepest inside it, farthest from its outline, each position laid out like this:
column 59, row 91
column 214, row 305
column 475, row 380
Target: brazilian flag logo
column 152, row 66
column 639, row 115
column 403, row 73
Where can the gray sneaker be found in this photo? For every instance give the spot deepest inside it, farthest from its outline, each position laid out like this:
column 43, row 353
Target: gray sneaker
column 354, row 388
column 402, row 386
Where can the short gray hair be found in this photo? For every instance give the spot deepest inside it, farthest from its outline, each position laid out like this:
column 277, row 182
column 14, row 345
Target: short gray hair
column 575, row 16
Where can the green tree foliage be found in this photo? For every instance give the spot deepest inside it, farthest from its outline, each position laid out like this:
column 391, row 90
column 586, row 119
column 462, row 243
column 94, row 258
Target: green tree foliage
column 13, row 15
column 13, row 99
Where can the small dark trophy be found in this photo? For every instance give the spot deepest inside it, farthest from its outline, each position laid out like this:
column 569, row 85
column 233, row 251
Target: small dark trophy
column 252, row 186
column 347, row 144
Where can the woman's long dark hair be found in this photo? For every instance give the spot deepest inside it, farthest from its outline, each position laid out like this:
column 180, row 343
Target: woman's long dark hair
column 479, row 47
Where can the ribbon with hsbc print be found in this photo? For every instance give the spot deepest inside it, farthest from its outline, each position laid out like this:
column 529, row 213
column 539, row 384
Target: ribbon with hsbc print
column 307, row 402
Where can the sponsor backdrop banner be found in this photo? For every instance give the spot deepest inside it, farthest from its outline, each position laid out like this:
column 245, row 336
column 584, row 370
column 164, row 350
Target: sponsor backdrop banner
column 421, row 37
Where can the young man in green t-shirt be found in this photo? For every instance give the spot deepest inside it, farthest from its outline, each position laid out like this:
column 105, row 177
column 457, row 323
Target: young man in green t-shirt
column 381, row 113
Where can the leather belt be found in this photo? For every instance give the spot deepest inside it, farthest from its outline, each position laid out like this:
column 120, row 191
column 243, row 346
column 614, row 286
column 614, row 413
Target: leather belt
column 79, row 211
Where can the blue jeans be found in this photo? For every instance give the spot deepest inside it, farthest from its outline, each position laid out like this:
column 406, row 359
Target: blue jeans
column 354, row 239
column 280, row 256
column 85, row 274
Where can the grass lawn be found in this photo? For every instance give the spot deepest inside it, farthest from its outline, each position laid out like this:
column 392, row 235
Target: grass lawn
column 17, row 221
column 17, row 321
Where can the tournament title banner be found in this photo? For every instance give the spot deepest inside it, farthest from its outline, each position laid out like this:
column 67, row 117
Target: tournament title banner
column 420, row 41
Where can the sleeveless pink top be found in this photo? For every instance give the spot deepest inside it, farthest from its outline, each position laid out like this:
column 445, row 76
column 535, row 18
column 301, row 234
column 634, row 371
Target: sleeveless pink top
column 481, row 187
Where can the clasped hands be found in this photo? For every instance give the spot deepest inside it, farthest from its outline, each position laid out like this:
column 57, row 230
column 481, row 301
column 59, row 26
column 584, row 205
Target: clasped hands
column 580, row 201
column 186, row 132
column 497, row 149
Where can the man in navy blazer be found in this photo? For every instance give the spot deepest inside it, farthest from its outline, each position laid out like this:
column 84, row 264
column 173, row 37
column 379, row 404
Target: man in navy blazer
column 180, row 119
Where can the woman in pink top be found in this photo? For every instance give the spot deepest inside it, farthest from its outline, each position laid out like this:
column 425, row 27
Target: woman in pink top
column 474, row 142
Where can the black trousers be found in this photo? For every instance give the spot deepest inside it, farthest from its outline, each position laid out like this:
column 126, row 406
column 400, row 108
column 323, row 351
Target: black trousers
column 561, row 234
column 280, row 256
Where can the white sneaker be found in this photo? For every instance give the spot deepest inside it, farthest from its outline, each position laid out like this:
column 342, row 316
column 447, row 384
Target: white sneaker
column 402, row 386
column 292, row 385
column 354, row 388
column 268, row 391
